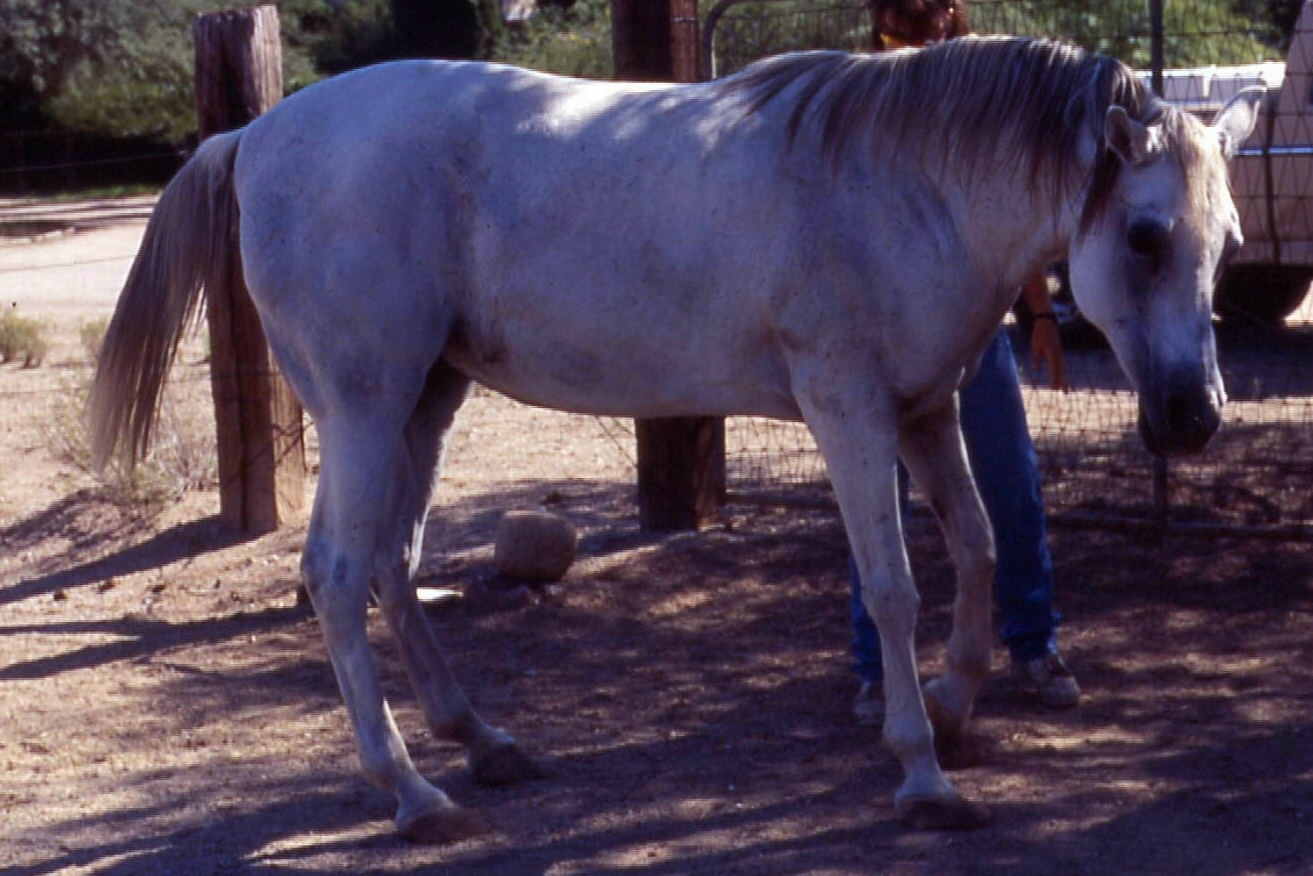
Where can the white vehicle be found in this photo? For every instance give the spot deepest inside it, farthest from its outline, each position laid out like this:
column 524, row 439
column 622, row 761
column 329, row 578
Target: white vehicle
column 1271, row 176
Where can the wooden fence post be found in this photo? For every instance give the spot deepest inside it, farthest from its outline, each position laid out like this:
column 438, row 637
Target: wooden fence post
column 262, row 476
column 640, row 40
column 681, row 460
column 684, row 41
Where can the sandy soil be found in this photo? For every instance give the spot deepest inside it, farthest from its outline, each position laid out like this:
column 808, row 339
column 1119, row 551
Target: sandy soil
column 166, row 707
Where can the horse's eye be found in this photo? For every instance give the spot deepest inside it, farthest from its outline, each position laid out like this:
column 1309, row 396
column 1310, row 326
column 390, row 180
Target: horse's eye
column 1145, row 238
column 1148, row 240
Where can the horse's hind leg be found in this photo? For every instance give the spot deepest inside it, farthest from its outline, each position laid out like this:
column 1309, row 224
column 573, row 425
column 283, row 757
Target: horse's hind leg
column 932, row 448
column 494, row 756
column 359, row 535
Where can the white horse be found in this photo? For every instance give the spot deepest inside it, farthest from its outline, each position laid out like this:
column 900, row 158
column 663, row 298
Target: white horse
column 825, row 237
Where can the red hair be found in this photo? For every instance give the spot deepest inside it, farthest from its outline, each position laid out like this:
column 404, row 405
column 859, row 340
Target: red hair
column 918, row 22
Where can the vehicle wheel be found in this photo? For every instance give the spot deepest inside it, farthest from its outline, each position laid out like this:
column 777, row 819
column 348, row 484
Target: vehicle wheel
column 1261, row 294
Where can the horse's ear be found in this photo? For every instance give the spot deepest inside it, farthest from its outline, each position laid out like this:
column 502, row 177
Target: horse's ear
column 1235, row 121
column 1126, row 137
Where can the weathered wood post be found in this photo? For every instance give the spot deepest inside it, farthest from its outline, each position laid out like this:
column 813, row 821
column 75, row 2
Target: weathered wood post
column 262, row 476
column 681, row 460
column 640, row 40
column 684, row 41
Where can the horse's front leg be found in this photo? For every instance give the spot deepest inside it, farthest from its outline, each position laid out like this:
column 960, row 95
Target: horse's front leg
column 857, row 437
column 933, row 450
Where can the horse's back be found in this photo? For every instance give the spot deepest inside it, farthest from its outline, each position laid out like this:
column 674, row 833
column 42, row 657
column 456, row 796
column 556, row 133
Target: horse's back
column 496, row 217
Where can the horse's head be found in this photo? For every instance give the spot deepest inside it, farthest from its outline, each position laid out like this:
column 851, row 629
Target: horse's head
column 1149, row 253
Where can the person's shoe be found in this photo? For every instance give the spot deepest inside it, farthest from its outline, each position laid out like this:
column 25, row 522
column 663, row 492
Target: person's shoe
column 1051, row 679
column 868, row 707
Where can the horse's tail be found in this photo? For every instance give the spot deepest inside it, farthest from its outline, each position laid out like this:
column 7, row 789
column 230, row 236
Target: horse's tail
column 187, row 247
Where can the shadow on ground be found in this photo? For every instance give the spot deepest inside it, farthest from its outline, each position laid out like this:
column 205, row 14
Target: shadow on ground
column 688, row 695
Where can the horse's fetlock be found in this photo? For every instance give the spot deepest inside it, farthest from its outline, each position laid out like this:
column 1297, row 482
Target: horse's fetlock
column 908, row 740
column 974, row 663
column 464, row 728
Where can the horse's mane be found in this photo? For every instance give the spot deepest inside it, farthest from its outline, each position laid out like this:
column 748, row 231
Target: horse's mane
column 1024, row 101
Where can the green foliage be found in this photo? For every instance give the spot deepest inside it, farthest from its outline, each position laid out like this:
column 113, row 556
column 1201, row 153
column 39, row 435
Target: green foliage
column 23, row 339
column 574, row 41
column 444, row 28
column 125, row 68
column 114, row 67
column 40, row 40
column 1273, row 21
column 1196, row 32
column 140, row 84
column 759, row 28
column 323, row 37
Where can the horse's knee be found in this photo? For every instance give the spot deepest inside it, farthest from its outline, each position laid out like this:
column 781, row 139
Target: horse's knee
column 338, row 587
column 894, row 606
column 316, row 569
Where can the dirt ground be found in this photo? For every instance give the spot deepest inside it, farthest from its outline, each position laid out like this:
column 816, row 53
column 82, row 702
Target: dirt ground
column 167, row 708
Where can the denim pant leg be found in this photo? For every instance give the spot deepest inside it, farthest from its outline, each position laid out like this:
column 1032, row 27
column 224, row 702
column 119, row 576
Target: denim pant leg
column 1007, row 474
column 1006, row 470
column 867, row 661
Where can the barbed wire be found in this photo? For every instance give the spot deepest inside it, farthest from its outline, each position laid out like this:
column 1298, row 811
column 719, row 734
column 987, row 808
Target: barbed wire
column 95, row 162
column 21, row 269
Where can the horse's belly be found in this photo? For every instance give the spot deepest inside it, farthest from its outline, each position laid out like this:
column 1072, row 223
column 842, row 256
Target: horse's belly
column 626, row 382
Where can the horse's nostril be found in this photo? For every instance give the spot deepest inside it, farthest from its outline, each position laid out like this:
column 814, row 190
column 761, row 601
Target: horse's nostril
column 1180, row 415
column 1189, row 421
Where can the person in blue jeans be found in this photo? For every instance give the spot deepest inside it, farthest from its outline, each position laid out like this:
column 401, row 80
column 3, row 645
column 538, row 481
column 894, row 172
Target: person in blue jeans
column 1006, row 470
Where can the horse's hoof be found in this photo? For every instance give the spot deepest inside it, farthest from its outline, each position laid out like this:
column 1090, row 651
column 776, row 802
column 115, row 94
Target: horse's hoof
column 505, row 765
column 958, row 753
column 955, row 748
column 940, row 813
column 445, row 823
column 941, row 719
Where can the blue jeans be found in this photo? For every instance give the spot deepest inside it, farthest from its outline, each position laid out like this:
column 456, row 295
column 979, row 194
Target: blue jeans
column 1006, row 470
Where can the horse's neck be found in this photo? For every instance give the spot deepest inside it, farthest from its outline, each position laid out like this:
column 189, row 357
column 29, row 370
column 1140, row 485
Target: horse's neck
column 1015, row 229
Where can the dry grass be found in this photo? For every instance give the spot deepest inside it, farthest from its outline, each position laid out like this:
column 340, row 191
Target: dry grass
column 183, row 455
column 23, row 338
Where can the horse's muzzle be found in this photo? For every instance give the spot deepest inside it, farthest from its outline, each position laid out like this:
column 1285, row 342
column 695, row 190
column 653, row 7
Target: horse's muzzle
column 1181, row 418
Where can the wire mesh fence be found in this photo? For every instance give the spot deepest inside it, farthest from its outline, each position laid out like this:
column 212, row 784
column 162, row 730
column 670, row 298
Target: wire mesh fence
column 1257, row 475
column 53, row 161
column 1192, row 32
column 736, row 34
